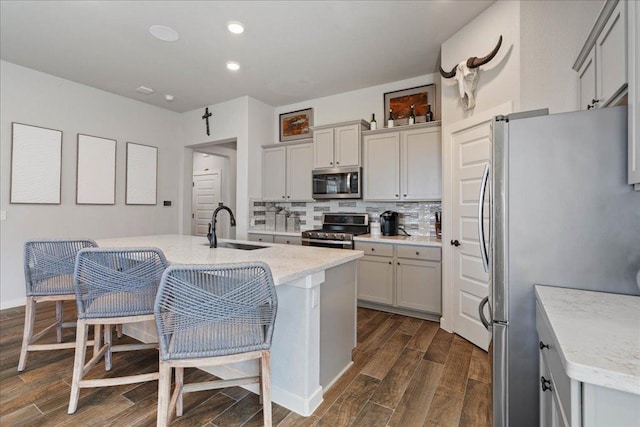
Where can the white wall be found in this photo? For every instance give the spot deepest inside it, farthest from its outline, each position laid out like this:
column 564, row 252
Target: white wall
column 499, row 80
column 552, row 34
column 353, row 105
column 40, row 99
column 231, row 120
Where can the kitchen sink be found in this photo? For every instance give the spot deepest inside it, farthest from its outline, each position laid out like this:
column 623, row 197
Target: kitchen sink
column 241, row 246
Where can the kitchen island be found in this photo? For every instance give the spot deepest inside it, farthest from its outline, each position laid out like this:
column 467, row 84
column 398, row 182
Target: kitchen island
column 315, row 328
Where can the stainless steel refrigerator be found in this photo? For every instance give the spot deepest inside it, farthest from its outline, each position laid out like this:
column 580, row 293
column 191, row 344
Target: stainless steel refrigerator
column 561, row 214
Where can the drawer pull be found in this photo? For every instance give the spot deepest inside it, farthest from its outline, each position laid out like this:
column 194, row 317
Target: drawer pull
column 373, row 249
column 545, row 384
column 417, row 253
column 543, row 345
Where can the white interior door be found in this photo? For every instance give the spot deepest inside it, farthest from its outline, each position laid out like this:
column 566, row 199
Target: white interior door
column 470, row 144
column 204, row 200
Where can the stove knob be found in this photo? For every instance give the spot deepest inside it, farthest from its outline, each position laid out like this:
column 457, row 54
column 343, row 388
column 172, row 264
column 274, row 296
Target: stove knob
column 322, row 235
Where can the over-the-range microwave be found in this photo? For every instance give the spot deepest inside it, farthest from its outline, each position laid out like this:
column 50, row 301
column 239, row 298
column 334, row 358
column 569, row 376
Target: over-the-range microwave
column 337, row 183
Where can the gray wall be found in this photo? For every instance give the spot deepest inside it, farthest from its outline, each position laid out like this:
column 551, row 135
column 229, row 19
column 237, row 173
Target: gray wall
column 40, row 99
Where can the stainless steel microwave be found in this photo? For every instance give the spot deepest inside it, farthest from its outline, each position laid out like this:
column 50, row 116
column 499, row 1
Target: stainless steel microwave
column 337, row 183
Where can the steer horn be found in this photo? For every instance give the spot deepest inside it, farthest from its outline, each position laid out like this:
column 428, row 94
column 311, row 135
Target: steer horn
column 475, row 62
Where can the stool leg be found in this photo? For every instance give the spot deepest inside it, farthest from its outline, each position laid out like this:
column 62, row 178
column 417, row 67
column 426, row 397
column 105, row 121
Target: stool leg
column 97, row 338
column 82, row 333
column 107, row 340
column 179, row 384
column 59, row 320
column 164, row 394
column 265, row 377
column 119, row 330
column 29, row 318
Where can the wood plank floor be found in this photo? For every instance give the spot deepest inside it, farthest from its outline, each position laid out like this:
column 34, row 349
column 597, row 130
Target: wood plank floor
column 406, row 372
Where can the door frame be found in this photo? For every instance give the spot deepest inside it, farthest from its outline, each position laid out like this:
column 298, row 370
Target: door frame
column 448, row 291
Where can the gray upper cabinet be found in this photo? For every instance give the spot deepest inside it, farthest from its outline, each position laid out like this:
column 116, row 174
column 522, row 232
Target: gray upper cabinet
column 602, row 62
column 286, row 172
column 337, row 145
column 403, row 164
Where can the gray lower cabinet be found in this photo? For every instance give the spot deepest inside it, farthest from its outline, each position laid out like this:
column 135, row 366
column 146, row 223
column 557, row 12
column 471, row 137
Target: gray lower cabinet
column 375, row 279
column 400, row 277
column 287, row 240
column 266, row 238
column 275, row 238
column 567, row 402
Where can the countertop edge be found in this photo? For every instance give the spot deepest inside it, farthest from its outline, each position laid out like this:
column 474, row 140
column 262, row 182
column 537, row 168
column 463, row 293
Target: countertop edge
column 400, row 240
column 595, row 375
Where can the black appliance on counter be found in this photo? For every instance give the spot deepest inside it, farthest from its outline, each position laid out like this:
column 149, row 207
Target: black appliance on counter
column 338, row 230
column 389, row 223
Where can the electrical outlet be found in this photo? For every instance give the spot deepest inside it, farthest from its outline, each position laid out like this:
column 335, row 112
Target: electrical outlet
column 3, row 215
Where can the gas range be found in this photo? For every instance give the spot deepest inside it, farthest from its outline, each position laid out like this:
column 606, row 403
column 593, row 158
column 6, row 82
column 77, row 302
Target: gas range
column 338, row 230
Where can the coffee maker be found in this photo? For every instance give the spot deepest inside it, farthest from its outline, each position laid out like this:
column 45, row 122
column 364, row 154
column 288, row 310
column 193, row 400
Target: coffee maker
column 389, row 222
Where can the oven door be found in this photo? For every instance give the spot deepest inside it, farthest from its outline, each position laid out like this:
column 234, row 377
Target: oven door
column 335, row 244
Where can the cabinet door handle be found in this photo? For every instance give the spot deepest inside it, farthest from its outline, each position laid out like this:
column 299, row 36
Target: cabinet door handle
column 337, row 163
column 390, row 262
column 404, row 195
column 397, row 195
column 287, row 242
column 330, row 163
column 545, row 384
column 373, row 249
column 594, row 101
column 543, row 345
column 283, row 197
column 398, row 263
column 455, row 243
column 288, row 197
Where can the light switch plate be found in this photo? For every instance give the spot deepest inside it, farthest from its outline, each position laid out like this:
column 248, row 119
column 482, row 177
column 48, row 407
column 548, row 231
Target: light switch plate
column 3, row 215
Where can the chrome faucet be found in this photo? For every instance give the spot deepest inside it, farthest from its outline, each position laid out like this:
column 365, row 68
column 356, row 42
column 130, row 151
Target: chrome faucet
column 211, row 235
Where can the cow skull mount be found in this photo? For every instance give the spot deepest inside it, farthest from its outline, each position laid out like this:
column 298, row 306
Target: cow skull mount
column 466, row 74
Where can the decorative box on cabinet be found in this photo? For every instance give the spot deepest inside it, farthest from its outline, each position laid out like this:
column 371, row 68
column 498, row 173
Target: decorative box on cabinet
column 404, row 279
column 602, row 62
column 403, row 163
column 286, row 172
column 337, row 145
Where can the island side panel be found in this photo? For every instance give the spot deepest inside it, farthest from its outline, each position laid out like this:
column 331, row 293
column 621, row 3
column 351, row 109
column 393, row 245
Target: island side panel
column 337, row 322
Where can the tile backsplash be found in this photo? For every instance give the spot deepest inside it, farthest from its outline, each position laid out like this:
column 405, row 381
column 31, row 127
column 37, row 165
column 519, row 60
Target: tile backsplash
column 417, row 218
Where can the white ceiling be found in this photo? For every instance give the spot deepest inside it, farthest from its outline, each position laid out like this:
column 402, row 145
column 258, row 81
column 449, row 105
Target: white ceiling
column 291, row 50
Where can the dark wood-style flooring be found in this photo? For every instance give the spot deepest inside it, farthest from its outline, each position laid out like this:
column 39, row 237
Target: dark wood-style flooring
column 406, row 372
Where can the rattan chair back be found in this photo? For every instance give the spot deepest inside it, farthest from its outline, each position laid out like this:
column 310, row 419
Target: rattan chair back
column 210, row 311
column 49, row 265
column 117, row 282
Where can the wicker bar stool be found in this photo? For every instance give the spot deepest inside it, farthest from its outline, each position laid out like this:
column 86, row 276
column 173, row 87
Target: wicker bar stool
column 214, row 315
column 48, row 271
column 113, row 286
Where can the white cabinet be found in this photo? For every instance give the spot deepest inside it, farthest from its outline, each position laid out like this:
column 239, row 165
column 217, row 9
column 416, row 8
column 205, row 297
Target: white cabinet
column 275, row 238
column 286, row 172
column 404, row 279
column 633, row 63
column 567, row 402
column 602, row 62
column 259, row 237
column 419, row 278
column 337, row 145
column 403, row 164
column 611, row 55
column 382, row 166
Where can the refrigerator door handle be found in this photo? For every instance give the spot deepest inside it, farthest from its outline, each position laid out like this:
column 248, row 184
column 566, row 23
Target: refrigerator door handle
column 483, row 246
column 483, row 319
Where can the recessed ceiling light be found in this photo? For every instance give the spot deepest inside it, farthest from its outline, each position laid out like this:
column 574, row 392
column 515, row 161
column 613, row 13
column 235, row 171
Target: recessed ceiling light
column 145, row 90
column 235, row 27
column 163, row 33
column 169, row 98
column 233, row 66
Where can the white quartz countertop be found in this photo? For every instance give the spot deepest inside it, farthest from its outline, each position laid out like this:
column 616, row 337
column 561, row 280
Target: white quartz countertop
column 400, row 240
column 598, row 334
column 287, row 262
